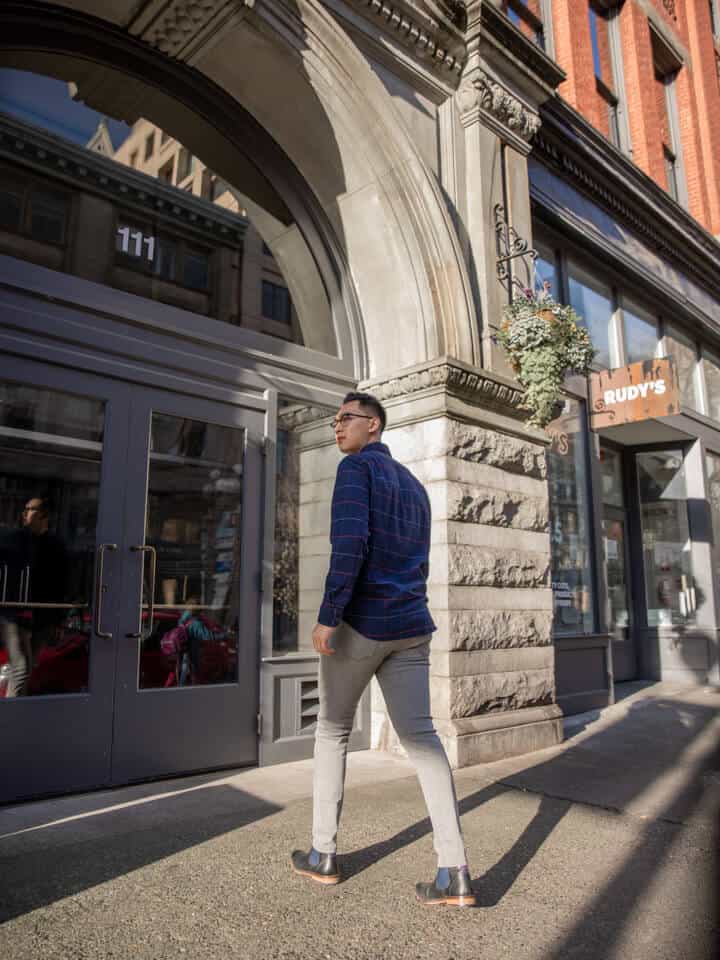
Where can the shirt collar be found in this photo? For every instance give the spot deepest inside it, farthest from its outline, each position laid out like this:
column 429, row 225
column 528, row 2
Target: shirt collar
column 377, row 447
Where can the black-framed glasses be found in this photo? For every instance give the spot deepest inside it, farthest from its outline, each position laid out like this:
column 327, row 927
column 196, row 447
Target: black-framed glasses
column 344, row 417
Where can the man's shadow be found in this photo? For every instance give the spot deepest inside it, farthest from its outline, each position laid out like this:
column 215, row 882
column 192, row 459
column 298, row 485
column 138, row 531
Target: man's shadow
column 492, row 886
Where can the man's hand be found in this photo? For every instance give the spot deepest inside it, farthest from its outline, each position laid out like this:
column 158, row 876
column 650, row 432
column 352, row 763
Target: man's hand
column 321, row 637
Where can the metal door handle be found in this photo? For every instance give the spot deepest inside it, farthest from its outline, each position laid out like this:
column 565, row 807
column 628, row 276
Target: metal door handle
column 151, row 591
column 4, row 583
column 101, row 589
column 24, row 584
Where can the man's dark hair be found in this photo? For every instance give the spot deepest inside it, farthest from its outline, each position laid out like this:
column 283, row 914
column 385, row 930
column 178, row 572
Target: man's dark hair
column 369, row 402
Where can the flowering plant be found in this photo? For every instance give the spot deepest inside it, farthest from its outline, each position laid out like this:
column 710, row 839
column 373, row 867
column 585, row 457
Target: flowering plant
column 544, row 341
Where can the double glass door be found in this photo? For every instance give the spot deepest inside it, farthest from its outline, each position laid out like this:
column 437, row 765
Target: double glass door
column 129, row 570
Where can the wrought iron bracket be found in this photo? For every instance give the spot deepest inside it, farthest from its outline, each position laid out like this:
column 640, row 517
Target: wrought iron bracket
column 510, row 246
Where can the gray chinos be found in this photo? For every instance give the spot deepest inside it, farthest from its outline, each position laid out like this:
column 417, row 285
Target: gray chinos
column 402, row 668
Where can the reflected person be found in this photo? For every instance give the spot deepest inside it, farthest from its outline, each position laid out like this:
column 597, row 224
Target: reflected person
column 38, row 562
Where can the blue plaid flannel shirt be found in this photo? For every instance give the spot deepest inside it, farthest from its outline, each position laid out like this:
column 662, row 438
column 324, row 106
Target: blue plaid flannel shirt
column 380, row 537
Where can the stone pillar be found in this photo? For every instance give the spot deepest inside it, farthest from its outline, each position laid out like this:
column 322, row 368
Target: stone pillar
column 505, row 80
column 461, row 433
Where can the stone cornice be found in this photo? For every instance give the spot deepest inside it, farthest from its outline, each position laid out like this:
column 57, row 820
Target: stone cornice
column 474, row 386
column 433, row 31
column 568, row 144
column 54, row 157
column 483, row 95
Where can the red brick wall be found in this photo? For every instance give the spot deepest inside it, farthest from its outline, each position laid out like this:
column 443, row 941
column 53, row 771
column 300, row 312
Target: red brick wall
column 697, row 91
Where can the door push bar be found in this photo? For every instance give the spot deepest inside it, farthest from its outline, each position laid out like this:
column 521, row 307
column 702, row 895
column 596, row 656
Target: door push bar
column 151, row 591
column 101, row 589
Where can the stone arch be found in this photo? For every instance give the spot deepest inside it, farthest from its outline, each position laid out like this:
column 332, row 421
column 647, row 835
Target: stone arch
column 304, row 100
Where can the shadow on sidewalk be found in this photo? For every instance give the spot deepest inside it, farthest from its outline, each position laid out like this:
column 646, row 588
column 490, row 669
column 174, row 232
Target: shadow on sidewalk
column 40, row 867
column 609, row 769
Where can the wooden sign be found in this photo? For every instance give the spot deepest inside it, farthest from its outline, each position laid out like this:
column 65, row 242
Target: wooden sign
column 640, row 391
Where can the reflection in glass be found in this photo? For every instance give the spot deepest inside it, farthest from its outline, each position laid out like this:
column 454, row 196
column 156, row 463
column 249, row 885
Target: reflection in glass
column 614, row 540
column 713, row 474
column 546, row 278
column 50, row 456
column 593, row 302
column 569, row 521
column 151, row 219
column 670, row 590
column 641, row 339
column 307, row 459
column 684, row 352
column 711, row 369
column 611, row 487
column 194, row 507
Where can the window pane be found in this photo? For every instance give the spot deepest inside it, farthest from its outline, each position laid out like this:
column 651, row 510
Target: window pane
column 305, row 476
column 546, row 278
column 166, row 259
column 711, row 367
column 593, row 302
column 682, row 349
column 611, row 486
column 196, row 269
column 10, row 209
column 47, row 218
column 641, row 338
column 569, row 522
column 669, row 585
column 713, row 473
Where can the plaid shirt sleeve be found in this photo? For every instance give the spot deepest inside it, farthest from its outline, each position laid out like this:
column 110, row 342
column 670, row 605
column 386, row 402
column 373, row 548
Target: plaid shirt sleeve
column 349, row 533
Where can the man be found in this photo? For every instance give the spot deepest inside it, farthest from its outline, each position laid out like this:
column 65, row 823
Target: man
column 38, row 562
column 374, row 620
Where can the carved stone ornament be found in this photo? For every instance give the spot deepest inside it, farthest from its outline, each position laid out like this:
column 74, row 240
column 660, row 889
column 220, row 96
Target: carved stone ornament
column 429, row 38
column 483, row 92
column 182, row 22
column 478, row 387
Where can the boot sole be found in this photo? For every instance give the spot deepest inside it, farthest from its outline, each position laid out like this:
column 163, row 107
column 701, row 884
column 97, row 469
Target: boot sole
column 469, row 901
column 328, row 881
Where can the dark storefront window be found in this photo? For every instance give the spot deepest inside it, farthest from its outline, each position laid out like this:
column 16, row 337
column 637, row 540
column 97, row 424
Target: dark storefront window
column 670, row 589
column 570, row 526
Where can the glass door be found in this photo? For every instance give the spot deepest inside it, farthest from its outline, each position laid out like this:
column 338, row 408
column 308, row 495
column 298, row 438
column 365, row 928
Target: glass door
column 615, row 525
column 187, row 694
column 62, row 437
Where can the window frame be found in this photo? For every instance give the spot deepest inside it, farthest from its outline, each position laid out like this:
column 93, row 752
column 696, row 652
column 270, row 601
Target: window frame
column 29, row 185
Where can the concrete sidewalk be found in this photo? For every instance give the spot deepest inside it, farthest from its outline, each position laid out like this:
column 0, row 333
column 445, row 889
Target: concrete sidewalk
column 603, row 848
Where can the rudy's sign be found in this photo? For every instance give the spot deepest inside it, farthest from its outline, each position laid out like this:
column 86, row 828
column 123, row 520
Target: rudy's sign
column 640, row 391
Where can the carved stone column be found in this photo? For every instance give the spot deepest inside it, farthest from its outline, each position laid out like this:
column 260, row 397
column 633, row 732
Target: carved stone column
column 461, row 433
column 504, row 81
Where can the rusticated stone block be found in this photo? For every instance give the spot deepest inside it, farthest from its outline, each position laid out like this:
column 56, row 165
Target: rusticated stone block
column 493, row 692
column 499, row 629
column 494, row 507
column 482, row 567
column 468, row 442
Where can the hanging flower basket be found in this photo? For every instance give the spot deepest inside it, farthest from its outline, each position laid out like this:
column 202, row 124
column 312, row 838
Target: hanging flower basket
column 544, row 341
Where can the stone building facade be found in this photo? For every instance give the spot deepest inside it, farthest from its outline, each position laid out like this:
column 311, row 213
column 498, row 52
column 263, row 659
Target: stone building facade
column 421, row 162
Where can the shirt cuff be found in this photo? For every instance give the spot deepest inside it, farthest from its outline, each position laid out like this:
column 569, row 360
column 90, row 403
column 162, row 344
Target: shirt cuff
column 329, row 616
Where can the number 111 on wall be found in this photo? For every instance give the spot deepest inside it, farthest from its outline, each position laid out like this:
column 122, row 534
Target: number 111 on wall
column 133, row 243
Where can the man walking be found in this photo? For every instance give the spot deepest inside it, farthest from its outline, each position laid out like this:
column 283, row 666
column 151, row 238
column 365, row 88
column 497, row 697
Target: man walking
column 374, row 621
